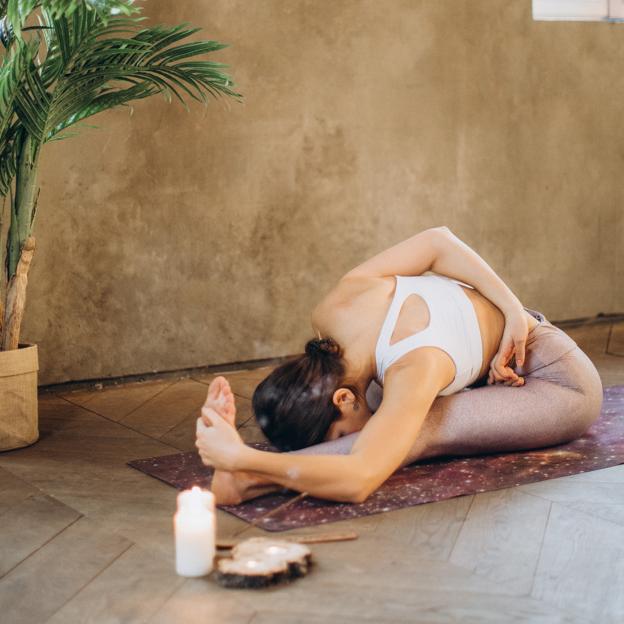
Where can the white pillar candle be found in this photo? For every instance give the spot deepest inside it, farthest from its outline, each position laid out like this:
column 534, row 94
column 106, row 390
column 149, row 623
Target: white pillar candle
column 194, row 528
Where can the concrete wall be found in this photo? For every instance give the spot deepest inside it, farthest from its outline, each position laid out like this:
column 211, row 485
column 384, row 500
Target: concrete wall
column 170, row 239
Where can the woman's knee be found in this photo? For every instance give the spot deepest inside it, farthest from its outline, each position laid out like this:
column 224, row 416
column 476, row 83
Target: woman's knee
column 582, row 403
column 592, row 390
column 582, row 412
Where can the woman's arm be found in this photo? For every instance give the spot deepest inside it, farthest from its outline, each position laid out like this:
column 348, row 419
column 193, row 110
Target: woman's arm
column 380, row 449
column 337, row 477
column 439, row 250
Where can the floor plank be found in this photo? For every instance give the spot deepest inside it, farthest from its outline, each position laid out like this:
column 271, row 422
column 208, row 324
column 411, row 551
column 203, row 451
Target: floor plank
column 615, row 474
column 430, row 530
column 14, row 490
column 243, row 382
column 606, row 511
column 201, row 600
column 615, row 343
column 164, row 411
column 569, row 490
column 116, row 402
column 501, row 537
column 591, row 338
column 276, row 617
column 29, row 525
column 369, row 601
column 34, row 590
column 147, row 523
column 581, row 566
column 398, row 567
column 131, row 589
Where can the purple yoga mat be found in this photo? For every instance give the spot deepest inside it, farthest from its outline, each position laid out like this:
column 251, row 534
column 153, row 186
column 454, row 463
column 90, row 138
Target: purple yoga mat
column 433, row 480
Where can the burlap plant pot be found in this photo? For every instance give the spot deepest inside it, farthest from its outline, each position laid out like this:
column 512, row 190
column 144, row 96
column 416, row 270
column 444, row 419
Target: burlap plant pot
column 19, row 419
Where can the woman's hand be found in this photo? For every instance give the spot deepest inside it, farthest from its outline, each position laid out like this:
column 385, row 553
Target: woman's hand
column 512, row 343
column 219, row 445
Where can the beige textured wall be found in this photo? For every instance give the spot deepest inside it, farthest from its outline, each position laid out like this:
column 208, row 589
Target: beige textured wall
column 170, row 239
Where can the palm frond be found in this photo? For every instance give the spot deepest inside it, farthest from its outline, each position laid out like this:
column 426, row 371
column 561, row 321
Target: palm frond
column 90, row 65
column 103, row 70
column 12, row 71
column 18, row 11
column 9, row 156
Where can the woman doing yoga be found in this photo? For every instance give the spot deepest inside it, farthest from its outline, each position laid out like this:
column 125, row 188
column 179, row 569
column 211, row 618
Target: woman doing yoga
column 465, row 370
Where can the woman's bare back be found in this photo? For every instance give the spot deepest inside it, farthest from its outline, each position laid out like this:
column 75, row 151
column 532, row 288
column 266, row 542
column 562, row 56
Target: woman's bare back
column 354, row 310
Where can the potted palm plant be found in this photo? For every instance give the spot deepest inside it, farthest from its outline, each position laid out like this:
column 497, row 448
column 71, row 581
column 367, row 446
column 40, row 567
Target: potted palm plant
column 62, row 61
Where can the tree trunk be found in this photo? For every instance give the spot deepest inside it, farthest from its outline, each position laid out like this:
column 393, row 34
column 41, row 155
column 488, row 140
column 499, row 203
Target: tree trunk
column 16, row 297
column 24, row 204
column 20, row 245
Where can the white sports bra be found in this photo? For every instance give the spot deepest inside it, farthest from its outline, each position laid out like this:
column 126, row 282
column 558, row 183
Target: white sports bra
column 453, row 327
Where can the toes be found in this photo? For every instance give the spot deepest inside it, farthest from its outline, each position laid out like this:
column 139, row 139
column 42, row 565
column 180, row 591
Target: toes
column 221, row 398
column 226, row 389
column 216, row 387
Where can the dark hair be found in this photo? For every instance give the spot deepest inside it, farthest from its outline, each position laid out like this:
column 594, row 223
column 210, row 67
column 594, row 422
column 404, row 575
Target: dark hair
column 294, row 404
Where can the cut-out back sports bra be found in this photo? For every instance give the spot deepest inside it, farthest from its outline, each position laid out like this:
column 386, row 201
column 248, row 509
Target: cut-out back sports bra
column 453, row 327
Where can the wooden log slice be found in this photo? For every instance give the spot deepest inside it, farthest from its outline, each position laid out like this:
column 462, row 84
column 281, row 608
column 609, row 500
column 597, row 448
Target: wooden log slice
column 298, row 556
column 260, row 562
column 251, row 572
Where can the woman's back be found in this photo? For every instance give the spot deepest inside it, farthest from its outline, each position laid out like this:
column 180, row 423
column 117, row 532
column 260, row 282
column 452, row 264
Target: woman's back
column 354, row 311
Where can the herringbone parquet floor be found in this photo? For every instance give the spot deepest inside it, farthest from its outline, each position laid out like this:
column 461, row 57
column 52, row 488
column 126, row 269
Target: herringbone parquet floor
column 84, row 538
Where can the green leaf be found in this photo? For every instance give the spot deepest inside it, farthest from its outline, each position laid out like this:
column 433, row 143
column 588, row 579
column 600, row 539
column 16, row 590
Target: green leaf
column 83, row 63
column 18, row 11
column 9, row 156
column 99, row 63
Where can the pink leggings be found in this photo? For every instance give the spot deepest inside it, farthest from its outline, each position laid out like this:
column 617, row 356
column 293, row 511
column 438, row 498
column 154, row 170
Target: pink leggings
column 560, row 399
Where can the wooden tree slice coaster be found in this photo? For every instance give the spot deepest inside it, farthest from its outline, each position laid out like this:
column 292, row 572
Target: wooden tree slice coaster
column 261, row 561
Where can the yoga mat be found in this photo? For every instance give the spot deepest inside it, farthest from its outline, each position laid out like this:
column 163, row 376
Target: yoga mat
column 432, row 480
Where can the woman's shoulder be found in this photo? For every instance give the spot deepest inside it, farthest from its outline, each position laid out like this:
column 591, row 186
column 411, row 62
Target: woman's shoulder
column 349, row 288
column 348, row 299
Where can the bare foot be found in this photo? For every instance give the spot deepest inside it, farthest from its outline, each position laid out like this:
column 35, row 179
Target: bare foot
column 221, row 399
column 232, row 488
column 225, row 488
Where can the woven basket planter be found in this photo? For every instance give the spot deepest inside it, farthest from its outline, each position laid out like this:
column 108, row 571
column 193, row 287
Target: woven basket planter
column 19, row 419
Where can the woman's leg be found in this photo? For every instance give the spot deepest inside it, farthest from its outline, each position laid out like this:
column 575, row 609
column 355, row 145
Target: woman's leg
column 560, row 399
column 557, row 404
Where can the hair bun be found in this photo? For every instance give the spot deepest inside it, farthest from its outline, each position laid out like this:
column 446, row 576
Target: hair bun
column 322, row 346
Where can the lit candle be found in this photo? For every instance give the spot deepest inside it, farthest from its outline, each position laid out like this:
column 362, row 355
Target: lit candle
column 194, row 528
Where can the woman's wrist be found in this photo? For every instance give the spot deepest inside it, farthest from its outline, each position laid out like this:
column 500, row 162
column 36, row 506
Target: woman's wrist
column 511, row 305
column 244, row 458
column 502, row 297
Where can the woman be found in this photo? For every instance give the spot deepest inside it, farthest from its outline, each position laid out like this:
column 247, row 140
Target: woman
column 445, row 353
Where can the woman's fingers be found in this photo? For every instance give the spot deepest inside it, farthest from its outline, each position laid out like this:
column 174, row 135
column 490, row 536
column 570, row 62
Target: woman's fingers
column 512, row 379
column 519, row 347
column 501, row 370
column 210, row 417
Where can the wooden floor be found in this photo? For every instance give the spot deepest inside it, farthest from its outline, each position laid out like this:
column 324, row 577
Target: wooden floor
column 84, row 538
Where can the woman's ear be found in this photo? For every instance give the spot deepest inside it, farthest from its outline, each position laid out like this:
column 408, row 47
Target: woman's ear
column 343, row 397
